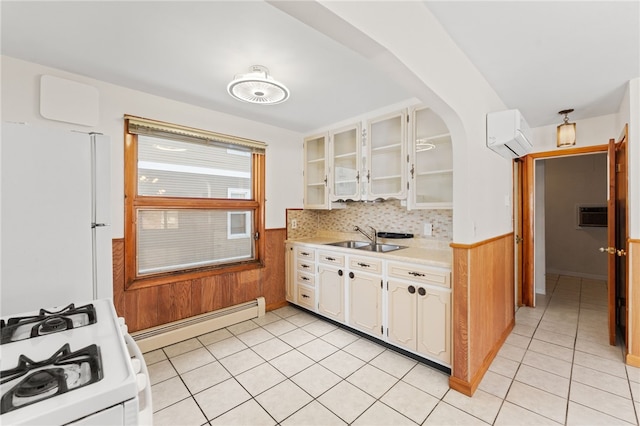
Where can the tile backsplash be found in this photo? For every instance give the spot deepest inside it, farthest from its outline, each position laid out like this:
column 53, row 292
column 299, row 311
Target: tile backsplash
column 387, row 216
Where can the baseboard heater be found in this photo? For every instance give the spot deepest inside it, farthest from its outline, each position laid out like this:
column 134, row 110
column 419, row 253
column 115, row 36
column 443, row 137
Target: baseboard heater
column 177, row 331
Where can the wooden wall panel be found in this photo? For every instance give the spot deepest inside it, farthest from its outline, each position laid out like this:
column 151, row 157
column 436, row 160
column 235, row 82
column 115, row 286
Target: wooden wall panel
column 151, row 306
column 633, row 303
column 483, row 307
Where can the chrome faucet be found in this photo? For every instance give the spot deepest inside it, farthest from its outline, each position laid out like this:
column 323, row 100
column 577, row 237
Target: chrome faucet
column 373, row 238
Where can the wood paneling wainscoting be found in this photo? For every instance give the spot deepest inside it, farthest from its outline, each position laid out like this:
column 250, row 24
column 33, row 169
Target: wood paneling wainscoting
column 483, row 307
column 633, row 303
column 151, row 306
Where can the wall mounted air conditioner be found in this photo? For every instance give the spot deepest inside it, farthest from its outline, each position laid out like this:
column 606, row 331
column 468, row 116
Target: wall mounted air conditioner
column 508, row 133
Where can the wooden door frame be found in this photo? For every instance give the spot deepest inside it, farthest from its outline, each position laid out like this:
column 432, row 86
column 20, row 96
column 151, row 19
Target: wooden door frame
column 528, row 213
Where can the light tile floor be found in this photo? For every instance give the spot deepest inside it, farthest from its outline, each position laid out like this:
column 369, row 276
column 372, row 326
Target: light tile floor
column 291, row 368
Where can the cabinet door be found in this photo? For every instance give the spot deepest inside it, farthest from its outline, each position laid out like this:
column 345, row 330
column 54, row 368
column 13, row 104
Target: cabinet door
column 346, row 160
column 386, row 156
column 315, row 172
column 290, row 273
column 401, row 310
column 365, row 297
column 434, row 322
column 331, row 292
column 431, row 167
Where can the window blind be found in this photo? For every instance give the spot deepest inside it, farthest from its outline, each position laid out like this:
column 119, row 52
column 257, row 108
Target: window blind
column 145, row 126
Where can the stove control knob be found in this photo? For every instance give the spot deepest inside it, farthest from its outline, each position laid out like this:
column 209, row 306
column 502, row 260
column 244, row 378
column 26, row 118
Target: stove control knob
column 142, row 381
column 123, row 325
column 137, row 366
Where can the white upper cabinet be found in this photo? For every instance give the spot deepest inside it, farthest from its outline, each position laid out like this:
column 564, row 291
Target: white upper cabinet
column 346, row 159
column 385, row 167
column 316, row 172
column 430, row 162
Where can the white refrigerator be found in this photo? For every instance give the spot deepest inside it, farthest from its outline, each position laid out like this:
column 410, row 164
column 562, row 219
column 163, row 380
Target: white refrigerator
column 55, row 238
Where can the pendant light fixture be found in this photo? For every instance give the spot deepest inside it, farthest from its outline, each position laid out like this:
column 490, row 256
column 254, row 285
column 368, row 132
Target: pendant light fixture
column 258, row 87
column 566, row 135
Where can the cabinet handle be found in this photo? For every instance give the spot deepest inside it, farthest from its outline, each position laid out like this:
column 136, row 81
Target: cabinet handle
column 330, row 259
column 340, row 272
column 358, row 177
column 306, row 296
column 411, row 289
column 304, row 253
column 305, row 279
column 364, row 265
column 368, row 176
column 422, row 291
column 412, row 170
column 351, row 275
column 305, row 266
column 325, row 181
column 416, row 274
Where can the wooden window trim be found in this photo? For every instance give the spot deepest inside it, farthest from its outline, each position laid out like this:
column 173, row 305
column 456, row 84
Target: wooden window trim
column 133, row 202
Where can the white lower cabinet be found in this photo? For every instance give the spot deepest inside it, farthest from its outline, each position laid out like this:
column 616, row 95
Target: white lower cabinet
column 370, row 294
column 331, row 285
column 365, row 295
column 290, row 272
column 419, row 310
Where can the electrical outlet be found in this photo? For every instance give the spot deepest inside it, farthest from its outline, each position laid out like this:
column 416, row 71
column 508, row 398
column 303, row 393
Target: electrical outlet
column 428, row 229
column 294, row 224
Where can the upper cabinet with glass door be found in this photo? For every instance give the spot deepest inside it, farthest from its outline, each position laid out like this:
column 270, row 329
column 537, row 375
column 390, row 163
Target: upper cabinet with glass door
column 386, row 157
column 346, row 161
column 431, row 162
column 316, row 172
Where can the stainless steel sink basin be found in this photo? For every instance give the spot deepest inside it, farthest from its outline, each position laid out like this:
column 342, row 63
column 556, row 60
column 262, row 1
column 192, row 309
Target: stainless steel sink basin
column 350, row 244
column 362, row 245
column 381, row 248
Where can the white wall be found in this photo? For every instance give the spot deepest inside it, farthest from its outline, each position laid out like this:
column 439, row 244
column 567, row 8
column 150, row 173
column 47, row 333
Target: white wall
column 21, row 102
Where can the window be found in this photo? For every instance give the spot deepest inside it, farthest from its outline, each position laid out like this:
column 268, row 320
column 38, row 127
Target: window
column 194, row 202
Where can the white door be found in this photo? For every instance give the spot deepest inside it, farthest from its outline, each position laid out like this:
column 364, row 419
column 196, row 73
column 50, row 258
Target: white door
column 365, row 296
column 402, row 314
column 434, row 322
column 331, row 292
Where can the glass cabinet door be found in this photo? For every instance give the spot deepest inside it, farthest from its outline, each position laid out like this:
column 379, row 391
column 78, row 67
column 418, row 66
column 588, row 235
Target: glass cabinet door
column 315, row 172
column 345, row 154
column 386, row 156
column 431, row 168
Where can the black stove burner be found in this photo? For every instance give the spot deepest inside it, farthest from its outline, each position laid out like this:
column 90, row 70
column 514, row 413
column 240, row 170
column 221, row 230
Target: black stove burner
column 64, row 371
column 40, row 382
column 46, row 322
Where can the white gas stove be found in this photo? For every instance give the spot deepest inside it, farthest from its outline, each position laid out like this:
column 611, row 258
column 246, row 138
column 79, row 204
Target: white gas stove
column 73, row 364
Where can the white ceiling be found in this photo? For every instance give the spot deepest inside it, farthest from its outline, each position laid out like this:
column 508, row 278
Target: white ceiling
column 540, row 57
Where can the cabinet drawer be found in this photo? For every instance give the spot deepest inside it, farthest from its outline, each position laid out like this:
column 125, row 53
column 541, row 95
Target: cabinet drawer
column 365, row 264
column 420, row 273
column 331, row 259
column 306, row 253
column 306, row 279
column 305, row 266
column 307, row 296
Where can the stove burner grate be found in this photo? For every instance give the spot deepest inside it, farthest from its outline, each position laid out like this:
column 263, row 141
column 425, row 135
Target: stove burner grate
column 64, row 371
column 46, row 322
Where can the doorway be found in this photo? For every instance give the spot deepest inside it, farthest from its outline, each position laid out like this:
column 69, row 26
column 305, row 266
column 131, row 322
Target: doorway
column 530, row 207
column 571, row 217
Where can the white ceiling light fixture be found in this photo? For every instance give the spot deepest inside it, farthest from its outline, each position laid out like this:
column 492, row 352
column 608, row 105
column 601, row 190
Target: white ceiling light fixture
column 258, row 87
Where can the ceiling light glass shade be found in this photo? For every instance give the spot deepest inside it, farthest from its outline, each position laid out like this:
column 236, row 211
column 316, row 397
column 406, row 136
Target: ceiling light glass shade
column 566, row 134
column 258, row 87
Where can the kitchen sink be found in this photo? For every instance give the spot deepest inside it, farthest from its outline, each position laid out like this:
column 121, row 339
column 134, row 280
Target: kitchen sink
column 381, row 248
column 350, row 244
column 365, row 246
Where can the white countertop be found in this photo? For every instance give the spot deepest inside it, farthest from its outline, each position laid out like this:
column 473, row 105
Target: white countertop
column 426, row 256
